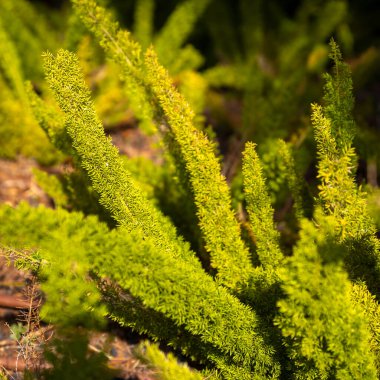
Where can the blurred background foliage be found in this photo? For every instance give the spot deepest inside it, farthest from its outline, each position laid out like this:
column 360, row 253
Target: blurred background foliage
column 249, row 68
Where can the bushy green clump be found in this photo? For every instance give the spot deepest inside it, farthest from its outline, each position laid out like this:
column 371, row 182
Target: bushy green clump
column 241, row 307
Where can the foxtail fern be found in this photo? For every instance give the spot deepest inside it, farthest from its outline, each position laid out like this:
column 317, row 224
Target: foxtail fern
column 248, row 310
column 228, row 254
column 260, row 210
column 204, row 308
column 326, row 335
column 339, row 195
column 100, row 159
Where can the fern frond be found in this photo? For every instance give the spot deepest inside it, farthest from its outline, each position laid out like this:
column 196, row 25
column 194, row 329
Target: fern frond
column 211, row 193
column 190, row 298
column 177, row 29
column 10, row 64
column 334, row 130
column 228, row 254
column 165, row 366
column 50, row 236
column 326, row 335
column 365, row 301
column 259, row 209
column 118, row 43
column 50, row 120
column 339, row 100
column 117, row 191
column 168, row 285
column 144, row 22
column 294, row 181
column 122, row 49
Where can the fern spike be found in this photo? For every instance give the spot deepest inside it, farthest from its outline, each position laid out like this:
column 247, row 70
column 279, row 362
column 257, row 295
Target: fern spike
column 100, row 159
column 334, row 130
column 259, row 209
column 211, row 193
column 177, row 29
column 171, row 286
column 326, row 335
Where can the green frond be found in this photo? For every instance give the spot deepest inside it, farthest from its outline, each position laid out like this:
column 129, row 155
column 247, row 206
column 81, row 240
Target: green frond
column 187, row 58
column 228, row 254
column 50, row 237
column 121, row 48
column 10, row 65
column 226, row 76
column 339, row 100
column 190, row 298
column 118, row 43
column 168, row 285
column 259, row 209
column 177, row 28
column 50, row 120
column 144, row 22
column 165, row 366
column 211, row 193
column 117, row 190
column 325, row 333
column 129, row 311
column 54, row 228
column 365, row 301
column 19, row 132
column 30, row 32
column 294, row 180
column 338, row 192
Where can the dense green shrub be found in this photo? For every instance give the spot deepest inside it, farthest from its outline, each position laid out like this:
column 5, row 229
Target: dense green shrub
column 227, row 292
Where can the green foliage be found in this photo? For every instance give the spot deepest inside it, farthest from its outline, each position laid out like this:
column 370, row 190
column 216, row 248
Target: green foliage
column 365, row 301
column 260, row 210
column 229, row 256
column 211, row 194
column 334, row 132
column 203, row 307
column 19, row 37
column 339, row 101
column 271, row 51
column 64, row 270
column 143, row 28
column 10, row 64
column 52, row 187
column 274, row 169
column 175, row 32
column 166, row 366
column 293, row 180
column 104, row 167
column 339, row 195
column 238, row 303
column 31, row 32
column 123, row 50
column 327, row 337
